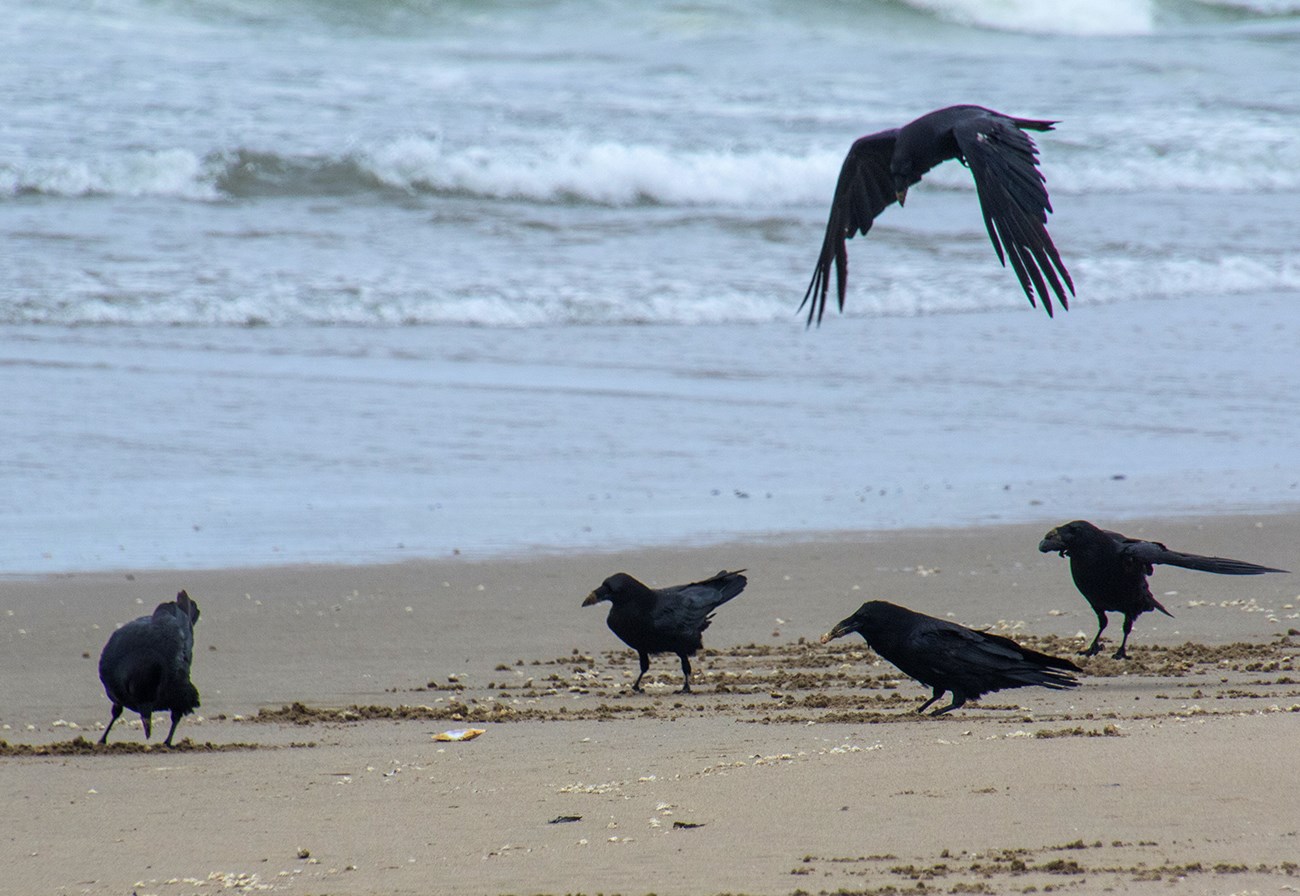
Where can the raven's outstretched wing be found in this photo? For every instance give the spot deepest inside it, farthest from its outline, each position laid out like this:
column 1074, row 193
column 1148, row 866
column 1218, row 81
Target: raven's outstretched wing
column 864, row 190
column 1013, row 197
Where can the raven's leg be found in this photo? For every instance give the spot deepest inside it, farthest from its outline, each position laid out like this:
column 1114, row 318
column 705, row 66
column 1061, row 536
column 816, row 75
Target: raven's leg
column 1095, row 646
column 958, row 701
column 176, row 717
column 686, row 674
column 938, row 692
column 1121, row 654
column 645, row 667
column 117, row 711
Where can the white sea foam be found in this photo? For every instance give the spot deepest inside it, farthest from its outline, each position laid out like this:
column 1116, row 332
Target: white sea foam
column 886, row 285
column 1203, row 152
column 1249, row 156
column 1261, row 7
column 1111, row 279
column 165, row 172
column 1079, row 17
column 1258, row 154
column 604, row 172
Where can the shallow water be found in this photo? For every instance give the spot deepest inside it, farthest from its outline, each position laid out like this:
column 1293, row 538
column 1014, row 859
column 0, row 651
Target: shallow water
column 210, row 447
column 317, row 281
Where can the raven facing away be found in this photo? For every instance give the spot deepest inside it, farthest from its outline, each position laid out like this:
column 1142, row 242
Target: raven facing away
column 145, row 666
column 1001, row 157
column 1110, row 570
column 949, row 657
column 664, row 620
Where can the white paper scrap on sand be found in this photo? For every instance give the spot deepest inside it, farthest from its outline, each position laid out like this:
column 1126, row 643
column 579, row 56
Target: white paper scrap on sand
column 460, row 734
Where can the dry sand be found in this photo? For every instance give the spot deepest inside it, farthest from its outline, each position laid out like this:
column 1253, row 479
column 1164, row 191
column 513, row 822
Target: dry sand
column 795, row 767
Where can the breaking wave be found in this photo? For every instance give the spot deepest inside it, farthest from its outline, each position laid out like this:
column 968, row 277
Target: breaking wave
column 1252, row 156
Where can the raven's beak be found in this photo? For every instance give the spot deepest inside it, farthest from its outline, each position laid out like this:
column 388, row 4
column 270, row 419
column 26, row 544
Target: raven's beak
column 592, row 598
column 901, row 195
column 1051, row 542
column 839, row 631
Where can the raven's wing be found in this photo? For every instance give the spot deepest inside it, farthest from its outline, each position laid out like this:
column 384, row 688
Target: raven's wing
column 974, row 663
column 686, row 608
column 1013, row 197
column 864, row 190
column 1151, row 552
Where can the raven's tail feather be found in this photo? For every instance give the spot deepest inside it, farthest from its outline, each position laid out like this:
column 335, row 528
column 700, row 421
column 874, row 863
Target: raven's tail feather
column 729, row 584
column 1223, row 566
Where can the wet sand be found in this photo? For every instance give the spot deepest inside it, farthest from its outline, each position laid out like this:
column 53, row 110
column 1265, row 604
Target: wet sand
column 311, row 766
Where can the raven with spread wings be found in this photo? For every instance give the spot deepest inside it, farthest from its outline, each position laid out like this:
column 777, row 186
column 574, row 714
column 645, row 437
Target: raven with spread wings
column 880, row 168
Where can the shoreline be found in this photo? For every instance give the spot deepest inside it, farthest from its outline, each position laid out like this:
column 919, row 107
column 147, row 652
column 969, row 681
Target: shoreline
column 1189, row 520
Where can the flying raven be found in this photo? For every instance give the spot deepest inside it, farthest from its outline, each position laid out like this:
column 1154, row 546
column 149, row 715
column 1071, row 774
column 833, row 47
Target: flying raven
column 949, row 657
column 1111, row 570
column 1004, row 162
column 145, row 666
column 664, row 620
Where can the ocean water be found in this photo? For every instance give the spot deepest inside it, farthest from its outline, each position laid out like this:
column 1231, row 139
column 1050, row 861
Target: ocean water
column 311, row 280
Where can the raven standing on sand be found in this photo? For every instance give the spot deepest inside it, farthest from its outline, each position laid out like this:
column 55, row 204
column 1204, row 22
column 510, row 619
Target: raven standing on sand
column 949, row 657
column 664, row 620
column 145, row 666
column 1111, row 570
column 1001, row 157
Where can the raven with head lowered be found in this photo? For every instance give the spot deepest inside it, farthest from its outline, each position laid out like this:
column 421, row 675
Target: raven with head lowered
column 946, row 657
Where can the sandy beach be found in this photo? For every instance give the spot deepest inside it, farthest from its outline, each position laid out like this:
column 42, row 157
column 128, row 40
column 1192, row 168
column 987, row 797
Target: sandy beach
column 796, row 767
